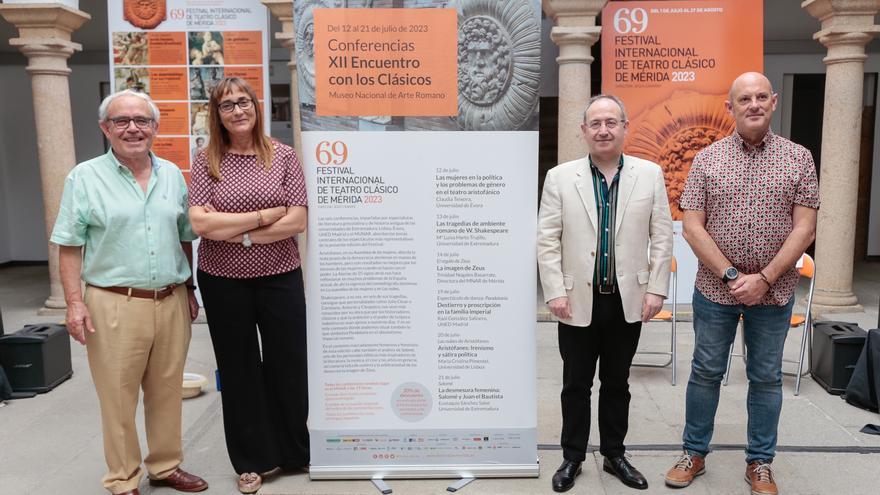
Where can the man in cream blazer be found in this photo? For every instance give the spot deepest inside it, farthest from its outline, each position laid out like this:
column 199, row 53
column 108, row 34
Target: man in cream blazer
column 604, row 254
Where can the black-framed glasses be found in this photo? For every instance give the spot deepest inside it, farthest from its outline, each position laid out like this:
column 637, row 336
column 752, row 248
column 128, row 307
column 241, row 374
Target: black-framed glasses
column 228, row 106
column 123, row 122
column 609, row 124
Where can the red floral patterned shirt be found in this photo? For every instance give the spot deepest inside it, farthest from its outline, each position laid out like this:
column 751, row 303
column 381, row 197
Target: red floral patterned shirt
column 748, row 194
column 247, row 186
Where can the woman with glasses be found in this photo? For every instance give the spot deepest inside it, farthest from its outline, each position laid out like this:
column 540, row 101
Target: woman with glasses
column 248, row 202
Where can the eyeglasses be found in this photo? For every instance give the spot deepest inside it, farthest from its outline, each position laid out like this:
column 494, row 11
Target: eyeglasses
column 228, row 106
column 123, row 122
column 595, row 125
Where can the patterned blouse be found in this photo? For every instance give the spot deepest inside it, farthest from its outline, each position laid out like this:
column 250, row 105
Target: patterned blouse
column 247, row 186
column 748, row 194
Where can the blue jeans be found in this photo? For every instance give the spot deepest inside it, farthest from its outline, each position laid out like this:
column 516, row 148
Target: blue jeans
column 764, row 330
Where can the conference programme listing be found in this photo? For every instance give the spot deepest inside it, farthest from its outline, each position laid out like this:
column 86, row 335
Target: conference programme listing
column 455, row 309
column 456, row 269
column 454, row 189
column 460, row 361
column 470, row 209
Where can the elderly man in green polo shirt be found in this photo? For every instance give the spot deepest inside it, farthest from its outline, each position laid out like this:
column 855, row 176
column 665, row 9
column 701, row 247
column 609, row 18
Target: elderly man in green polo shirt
column 123, row 230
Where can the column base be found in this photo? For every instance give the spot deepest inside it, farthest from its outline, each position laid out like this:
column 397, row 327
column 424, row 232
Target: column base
column 829, row 301
column 53, row 306
column 47, row 311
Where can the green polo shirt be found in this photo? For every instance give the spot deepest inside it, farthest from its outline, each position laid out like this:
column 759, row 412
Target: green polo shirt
column 131, row 239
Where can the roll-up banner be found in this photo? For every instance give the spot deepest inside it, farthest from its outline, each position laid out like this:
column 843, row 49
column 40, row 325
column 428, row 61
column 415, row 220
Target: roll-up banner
column 177, row 51
column 420, row 145
column 672, row 64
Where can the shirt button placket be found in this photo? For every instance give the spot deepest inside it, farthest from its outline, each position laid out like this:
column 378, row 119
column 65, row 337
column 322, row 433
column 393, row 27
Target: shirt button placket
column 151, row 245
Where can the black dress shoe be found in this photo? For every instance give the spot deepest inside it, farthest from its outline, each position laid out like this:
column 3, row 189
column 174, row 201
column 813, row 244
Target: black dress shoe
column 625, row 472
column 563, row 480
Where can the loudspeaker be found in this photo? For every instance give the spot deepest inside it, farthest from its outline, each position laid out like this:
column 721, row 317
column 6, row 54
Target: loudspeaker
column 36, row 358
column 836, row 349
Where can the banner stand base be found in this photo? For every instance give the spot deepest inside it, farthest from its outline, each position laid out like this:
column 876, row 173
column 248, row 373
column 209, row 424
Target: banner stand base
column 381, row 486
column 411, row 472
column 458, row 485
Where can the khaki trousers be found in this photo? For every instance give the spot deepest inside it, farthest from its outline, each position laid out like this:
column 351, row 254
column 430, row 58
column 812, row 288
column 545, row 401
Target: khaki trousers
column 138, row 343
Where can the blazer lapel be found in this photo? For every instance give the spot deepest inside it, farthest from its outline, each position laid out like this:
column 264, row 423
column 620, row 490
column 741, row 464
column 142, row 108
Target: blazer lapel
column 628, row 179
column 584, row 184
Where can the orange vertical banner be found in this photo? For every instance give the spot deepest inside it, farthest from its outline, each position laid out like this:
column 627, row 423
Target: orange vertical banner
column 672, row 63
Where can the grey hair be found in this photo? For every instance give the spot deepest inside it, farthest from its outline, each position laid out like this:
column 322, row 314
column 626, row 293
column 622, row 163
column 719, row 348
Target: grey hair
column 102, row 110
column 606, row 97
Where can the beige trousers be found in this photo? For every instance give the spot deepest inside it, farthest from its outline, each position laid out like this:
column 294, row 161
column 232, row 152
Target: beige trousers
column 138, row 343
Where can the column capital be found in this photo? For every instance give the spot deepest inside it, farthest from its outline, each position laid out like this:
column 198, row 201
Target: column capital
column 846, row 27
column 283, row 10
column 843, row 21
column 845, row 46
column 44, row 32
column 847, row 14
column 44, row 21
column 288, row 40
column 573, row 12
column 575, row 43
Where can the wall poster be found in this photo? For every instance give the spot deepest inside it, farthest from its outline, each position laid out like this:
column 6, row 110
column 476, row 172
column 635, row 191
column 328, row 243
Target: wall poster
column 177, row 51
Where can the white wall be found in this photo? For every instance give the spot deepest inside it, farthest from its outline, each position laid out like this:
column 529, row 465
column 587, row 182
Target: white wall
column 776, row 66
column 5, row 246
column 22, row 228
column 23, row 212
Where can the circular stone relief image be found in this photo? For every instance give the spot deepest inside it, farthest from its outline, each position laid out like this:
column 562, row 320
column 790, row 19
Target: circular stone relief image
column 499, row 60
column 484, row 62
column 411, row 401
column 305, row 43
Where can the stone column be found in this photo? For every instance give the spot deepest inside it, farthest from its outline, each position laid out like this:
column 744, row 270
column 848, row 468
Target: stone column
column 283, row 10
column 575, row 32
column 44, row 38
column 847, row 26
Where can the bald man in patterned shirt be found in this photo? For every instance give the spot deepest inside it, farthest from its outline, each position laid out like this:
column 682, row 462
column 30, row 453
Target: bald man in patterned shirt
column 750, row 207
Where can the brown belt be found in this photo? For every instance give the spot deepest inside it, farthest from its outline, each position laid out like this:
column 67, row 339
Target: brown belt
column 155, row 294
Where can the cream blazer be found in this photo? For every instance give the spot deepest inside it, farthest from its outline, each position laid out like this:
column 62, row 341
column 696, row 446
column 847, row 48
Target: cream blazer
column 567, row 241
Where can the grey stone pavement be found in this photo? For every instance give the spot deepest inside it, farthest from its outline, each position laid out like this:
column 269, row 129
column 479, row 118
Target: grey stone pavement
column 51, row 444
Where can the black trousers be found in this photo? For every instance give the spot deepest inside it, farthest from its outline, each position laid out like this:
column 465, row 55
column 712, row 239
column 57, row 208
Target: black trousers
column 612, row 342
column 265, row 398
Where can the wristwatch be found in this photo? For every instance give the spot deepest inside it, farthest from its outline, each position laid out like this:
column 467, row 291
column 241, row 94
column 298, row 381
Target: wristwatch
column 246, row 240
column 730, row 274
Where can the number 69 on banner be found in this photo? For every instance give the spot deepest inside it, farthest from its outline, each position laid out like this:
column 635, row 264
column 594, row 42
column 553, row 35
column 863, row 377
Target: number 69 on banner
column 631, row 21
column 335, row 153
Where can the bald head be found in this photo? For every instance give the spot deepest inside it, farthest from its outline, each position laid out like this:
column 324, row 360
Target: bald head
column 748, row 78
column 751, row 104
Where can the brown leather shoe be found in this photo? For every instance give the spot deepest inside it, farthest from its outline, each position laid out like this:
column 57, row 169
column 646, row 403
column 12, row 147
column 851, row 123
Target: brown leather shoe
column 182, row 481
column 760, row 476
column 686, row 468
